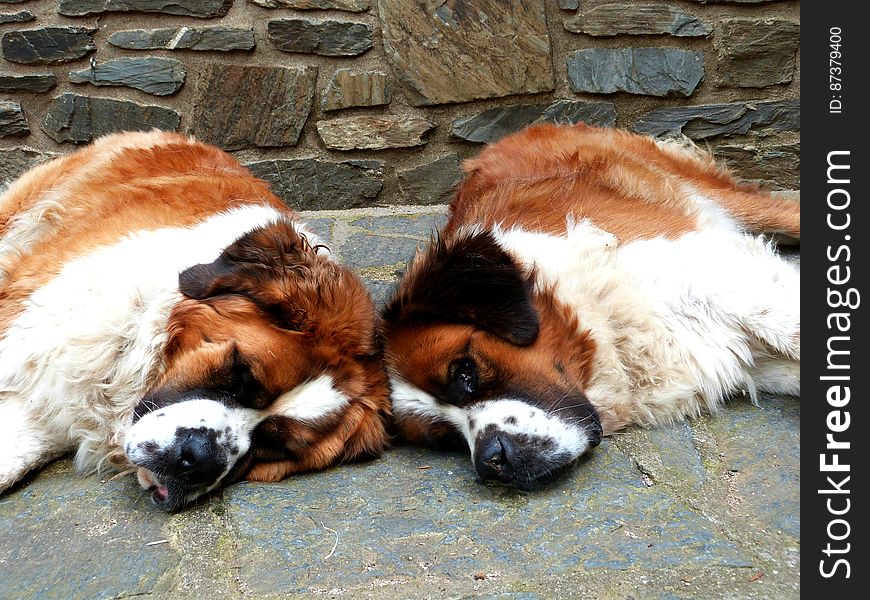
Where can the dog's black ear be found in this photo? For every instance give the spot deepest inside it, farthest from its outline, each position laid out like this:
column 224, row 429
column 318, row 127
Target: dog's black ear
column 206, row 280
column 262, row 265
column 247, row 264
column 469, row 280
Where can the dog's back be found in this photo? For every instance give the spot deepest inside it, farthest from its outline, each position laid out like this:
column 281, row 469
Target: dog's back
column 631, row 186
column 93, row 197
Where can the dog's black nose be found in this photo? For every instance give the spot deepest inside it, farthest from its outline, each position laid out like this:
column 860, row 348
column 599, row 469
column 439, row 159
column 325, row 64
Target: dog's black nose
column 492, row 457
column 197, row 457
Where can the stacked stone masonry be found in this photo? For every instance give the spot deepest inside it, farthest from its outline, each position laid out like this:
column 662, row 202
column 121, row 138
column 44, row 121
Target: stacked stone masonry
column 356, row 103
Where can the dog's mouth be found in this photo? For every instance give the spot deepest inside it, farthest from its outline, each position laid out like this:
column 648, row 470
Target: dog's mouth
column 168, row 494
column 160, row 496
column 529, row 481
column 172, row 492
column 177, row 463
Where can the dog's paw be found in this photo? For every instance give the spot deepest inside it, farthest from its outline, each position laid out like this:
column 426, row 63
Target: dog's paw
column 269, row 472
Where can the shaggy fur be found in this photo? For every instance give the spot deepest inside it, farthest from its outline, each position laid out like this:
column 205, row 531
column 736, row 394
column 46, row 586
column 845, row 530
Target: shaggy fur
column 148, row 270
column 600, row 277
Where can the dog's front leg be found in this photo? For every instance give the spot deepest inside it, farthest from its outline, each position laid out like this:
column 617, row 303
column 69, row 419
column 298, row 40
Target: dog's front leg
column 25, row 443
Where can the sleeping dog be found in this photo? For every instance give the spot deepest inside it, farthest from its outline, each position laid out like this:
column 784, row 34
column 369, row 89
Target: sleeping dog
column 160, row 308
column 588, row 279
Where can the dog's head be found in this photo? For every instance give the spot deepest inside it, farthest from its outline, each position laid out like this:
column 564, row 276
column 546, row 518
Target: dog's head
column 480, row 355
column 269, row 358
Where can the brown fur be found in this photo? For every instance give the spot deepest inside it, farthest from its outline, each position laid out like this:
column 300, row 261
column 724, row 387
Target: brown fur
column 559, row 359
column 300, row 316
column 327, row 327
column 174, row 184
column 624, row 183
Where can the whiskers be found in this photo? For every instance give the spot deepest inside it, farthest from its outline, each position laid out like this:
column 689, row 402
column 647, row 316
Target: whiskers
column 143, row 408
column 575, row 419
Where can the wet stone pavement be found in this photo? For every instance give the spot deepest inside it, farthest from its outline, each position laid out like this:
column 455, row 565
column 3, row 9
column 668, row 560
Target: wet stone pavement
column 704, row 509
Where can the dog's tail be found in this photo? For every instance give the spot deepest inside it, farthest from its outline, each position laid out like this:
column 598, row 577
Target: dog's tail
column 761, row 212
column 757, row 210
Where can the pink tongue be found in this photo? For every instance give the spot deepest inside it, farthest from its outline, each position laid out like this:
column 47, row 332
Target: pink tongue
column 161, row 492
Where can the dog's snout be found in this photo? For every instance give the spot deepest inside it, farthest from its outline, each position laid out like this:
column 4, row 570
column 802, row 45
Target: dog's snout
column 197, row 456
column 493, row 457
column 194, row 450
column 495, row 453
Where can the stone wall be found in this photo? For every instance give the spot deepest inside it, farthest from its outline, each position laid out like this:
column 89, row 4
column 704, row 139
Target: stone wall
column 347, row 103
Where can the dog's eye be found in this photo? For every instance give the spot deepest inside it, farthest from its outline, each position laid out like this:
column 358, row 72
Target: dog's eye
column 237, row 381
column 463, row 378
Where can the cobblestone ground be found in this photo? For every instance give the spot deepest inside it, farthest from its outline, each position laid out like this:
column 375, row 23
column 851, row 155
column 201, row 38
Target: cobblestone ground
column 708, row 509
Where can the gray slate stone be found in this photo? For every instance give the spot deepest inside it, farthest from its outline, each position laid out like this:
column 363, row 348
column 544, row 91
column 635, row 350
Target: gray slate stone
column 756, row 53
column 776, row 166
column 364, row 251
column 418, row 226
column 345, row 5
column 460, row 51
column 80, row 119
column 349, row 88
column 604, row 519
column 321, row 227
column 39, row 82
column 313, row 184
column 17, row 17
column 666, row 455
column 711, row 120
column 221, row 39
column 14, row 162
column 638, row 19
column 74, row 553
column 327, row 38
column 12, row 121
column 380, row 291
column 495, row 123
column 601, row 114
column 374, row 133
column 432, row 183
column 49, row 45
column 569, row 4
column 151, row 74
column 203, row 9
column 648, row 71
column 246, row 106
column 765, row 478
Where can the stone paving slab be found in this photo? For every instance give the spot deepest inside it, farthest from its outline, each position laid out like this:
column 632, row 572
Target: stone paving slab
column 704, row 509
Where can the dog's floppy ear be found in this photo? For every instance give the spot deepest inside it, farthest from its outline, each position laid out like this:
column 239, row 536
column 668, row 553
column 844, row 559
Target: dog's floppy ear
column 470, row 280
column 257, row 265
column 203, row 281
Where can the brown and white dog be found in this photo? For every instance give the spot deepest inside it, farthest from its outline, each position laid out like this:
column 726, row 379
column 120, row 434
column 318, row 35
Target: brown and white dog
column 159, row 307
column 588, row 279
